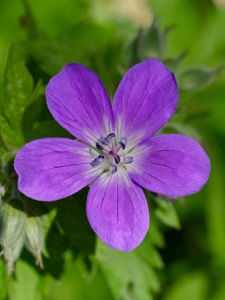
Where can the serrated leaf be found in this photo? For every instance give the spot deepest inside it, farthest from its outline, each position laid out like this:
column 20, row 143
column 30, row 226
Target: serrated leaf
column 155, row 235
column 29, row 20
column 149, row 253
column 172, row 63
column 51, row 55
column 27, row 283
column 73, row 221
column 128, row 275
column 194, row 79
column 47, row 221
column 148, row 43
column 75, row 283
column 184, row 128
column 17, row 94
column 166, row 213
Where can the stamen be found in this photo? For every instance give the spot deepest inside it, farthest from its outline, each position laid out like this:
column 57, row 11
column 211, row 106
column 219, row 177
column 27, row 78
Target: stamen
column 104, row 141
column 97, row 161
column 100, row 147
column 110, row 136
column 117, row 159
column 113, row 153
column 114, row 169
column 123, row 142
column 128, row 159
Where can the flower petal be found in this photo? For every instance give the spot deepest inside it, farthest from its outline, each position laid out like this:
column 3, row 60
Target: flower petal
column 53, row 168
column 145, row 99
column 79, row 102
column 173, row 165
column 117, row 211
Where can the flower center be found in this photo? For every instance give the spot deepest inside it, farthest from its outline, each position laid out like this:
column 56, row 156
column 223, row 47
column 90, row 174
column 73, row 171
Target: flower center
column 111, row 152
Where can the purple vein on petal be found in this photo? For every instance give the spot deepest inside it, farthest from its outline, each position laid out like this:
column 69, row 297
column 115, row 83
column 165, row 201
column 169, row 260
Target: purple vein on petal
column 90, row 137
column 85, row 108
column 124, row 113
column 139, row 107
column 103, row 198
column 88, row 172
column 80, row 179
column 143, row 171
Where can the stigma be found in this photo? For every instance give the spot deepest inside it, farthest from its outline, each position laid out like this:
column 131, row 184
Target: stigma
column 112, row 153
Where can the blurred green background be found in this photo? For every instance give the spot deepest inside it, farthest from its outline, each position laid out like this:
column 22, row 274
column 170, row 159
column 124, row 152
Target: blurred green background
column 186, row 259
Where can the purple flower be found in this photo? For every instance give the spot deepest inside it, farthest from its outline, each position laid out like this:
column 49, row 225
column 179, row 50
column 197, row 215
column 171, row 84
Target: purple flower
column 115, row 150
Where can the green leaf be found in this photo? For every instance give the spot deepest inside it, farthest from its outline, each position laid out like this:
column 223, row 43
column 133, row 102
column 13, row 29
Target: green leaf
column 129, row 276
column 192, row 286
column 149, row 253
column 51, row 55
column 17, row 94
column 166, row 213
column 47, row 221
column 75, row 283
column 28, row 20
column 194, row 79
column 26, row 284
column 72, row 219
column 3, row 280
column 173, row 63
column 148, row 43
column 184, row 128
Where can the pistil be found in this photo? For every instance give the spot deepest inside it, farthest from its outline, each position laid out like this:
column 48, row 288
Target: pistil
column 112, row 155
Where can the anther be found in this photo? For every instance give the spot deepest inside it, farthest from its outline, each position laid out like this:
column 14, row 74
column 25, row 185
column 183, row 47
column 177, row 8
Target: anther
column 128, row 159
column 114, row 169
column 100, row 147
column 97, row 161
column 104, row 141
column 117, row 159
column 110, row 136
column 123, row 142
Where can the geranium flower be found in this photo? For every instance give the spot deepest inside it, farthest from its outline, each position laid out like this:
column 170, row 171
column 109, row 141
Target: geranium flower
column 115, row 152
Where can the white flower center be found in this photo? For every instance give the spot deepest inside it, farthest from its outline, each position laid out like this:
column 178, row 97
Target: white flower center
column 111, row 153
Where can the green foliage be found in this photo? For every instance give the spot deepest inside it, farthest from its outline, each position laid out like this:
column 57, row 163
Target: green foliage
column 26, row 284
column 16, row 95
column 166, row 213
column 73, row 222
column 132, row 280
column 194, row 79
column 191, row 286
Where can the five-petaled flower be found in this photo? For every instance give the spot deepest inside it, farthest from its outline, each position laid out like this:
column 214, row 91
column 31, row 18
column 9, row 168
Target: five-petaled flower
column 115, row 152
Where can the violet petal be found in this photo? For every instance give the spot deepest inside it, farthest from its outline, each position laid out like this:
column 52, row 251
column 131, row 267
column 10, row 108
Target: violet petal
column 173, row 165
column 53, row 168
column 79, row 102
column 117, row 211
column 145, row 99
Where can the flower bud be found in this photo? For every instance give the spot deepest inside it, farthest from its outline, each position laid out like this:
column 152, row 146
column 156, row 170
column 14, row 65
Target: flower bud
column 194, row 79
column 2, row 193
column 12, row 235
column 35, row 238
